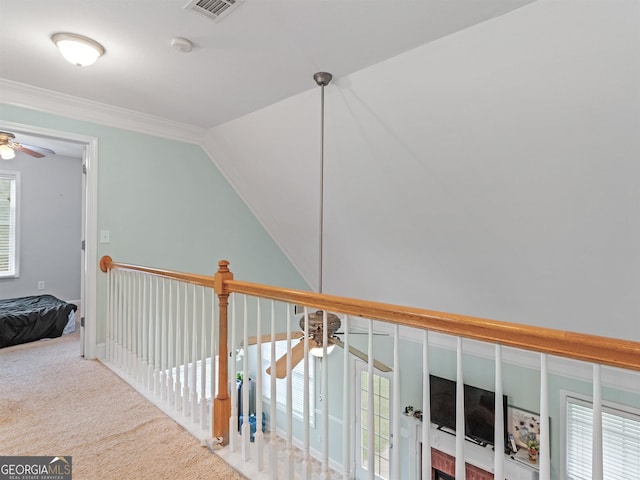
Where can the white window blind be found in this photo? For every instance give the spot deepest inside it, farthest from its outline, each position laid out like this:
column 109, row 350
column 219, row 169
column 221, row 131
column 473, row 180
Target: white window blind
column 297, row 383
column 8, row 224
column 620, row 442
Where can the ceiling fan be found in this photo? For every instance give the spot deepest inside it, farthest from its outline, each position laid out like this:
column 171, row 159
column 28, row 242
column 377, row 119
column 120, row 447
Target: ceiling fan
column 315, row 335
column 8, row 147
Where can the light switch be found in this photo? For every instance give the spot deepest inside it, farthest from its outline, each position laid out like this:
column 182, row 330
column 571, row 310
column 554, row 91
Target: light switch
column 105, row 236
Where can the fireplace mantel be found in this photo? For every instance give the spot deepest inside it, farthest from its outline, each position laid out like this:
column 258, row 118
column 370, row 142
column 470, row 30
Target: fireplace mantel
column 475, row 455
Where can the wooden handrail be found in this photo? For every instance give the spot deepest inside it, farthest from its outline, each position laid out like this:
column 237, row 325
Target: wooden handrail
column 106, row 263
column 579, row 346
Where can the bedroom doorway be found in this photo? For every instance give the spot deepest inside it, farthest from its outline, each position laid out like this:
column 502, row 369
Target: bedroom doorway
column 83, row 148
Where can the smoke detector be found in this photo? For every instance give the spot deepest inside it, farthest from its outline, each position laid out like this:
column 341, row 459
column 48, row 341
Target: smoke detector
column 215, row 10
column 181, row 45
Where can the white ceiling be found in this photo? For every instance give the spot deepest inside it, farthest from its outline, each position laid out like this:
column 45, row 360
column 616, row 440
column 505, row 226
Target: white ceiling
column 263, row 52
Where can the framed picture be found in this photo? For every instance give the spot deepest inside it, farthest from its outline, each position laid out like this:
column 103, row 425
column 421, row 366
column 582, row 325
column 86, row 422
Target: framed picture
column 523, row 425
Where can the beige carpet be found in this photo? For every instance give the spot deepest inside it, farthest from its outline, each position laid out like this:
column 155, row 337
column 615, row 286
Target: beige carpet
column 53, row 402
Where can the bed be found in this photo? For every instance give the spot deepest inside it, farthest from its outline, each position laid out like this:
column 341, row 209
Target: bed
column 27, row 319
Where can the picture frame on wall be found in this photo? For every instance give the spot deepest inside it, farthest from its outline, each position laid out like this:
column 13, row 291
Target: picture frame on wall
column 523, row 425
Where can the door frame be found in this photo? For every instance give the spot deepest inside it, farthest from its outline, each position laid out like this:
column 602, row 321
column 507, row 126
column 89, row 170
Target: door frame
column 89, row 265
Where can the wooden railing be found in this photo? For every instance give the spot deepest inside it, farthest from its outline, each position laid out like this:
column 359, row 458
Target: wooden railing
column 620, row 353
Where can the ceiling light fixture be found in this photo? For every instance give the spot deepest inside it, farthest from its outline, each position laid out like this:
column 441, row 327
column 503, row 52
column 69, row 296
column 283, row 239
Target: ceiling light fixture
column 6, row 152
column 77, row 49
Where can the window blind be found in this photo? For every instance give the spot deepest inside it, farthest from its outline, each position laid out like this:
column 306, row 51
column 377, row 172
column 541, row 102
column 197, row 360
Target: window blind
column 620, row 442
column 8, row 224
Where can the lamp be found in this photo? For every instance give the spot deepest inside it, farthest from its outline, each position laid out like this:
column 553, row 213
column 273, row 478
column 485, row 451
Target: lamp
column 6, row 152
column 77, row 49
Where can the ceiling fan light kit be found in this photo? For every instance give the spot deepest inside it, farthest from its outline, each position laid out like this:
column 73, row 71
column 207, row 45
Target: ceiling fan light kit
column 6, row 152
column 77, row 49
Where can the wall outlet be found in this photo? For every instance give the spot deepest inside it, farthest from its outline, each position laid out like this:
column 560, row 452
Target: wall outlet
column 41, row 285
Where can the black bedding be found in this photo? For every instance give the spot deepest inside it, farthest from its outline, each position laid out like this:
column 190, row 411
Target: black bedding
column 28, row 319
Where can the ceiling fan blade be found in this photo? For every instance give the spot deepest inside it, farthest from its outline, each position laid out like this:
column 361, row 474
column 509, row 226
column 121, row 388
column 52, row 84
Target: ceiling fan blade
column 361, row 355
column 28, row 151
column 297, row 354
column 35, row 148
column 279, row 337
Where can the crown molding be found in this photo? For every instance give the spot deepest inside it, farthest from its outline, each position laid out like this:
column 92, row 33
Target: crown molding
column 43, row 100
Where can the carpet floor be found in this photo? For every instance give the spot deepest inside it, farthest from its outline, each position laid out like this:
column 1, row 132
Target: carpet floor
column 53, row 402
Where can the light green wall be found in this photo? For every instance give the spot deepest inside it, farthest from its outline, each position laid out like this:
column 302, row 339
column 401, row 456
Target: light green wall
column 167, row 206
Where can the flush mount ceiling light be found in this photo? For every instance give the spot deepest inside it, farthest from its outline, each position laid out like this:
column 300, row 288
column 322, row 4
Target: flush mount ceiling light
column 77, row 49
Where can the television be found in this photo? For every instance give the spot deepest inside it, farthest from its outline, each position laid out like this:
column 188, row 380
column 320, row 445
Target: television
column 479, row 410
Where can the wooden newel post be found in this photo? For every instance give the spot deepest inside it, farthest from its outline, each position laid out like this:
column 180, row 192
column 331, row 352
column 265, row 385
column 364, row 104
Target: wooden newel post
column 105, row 263
column 222, row 402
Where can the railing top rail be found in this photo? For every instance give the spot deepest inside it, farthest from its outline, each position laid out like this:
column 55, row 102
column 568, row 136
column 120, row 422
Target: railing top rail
column 579, row 346
column 106, row 263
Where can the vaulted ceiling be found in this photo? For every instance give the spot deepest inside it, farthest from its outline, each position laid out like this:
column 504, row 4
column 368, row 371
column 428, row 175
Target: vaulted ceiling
column 259, row 53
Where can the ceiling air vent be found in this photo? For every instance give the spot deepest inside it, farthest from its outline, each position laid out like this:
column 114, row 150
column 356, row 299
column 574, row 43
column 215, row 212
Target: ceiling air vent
column 216, row 10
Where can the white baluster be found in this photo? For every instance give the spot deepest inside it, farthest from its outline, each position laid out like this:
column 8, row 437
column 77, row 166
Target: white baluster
column 259, row 434
column 109, row 325
column 120, row 320
column 163, row 347
column 125, row 321
column 596, row 456
column 193, row 385
column 395, row 414
column 371, row 455
column 346, row 404
column 152, row 322
column 289, row 403
column 426, row 408
column 146, row 327
column 178, row 353
column 325, row 396
column 544, row 454
column 185, row 353
column 273, row 412
column 140, row 331
column 246, row 431
column 171, row 346
column 233, row 420
column 203, row 360
column 460, row 463
column 157, row 357
column 306, row 461
column 498, row 432
column 133, row 359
